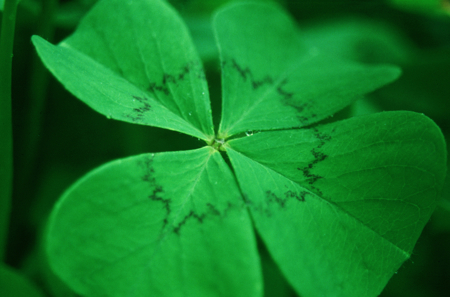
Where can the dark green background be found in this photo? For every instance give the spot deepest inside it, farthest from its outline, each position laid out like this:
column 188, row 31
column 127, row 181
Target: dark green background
column 57, row 138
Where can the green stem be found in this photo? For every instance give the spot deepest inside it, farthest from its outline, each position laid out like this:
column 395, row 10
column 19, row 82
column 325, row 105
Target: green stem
column 6, row 142
column 37, row 95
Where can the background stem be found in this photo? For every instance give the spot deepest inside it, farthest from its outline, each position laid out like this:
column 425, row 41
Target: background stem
column 6, row 144
column 36, row 106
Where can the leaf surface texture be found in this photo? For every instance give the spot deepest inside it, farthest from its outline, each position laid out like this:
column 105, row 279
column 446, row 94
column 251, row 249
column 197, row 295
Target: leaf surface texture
column 134, row 61
column 167, row 224
column 272, row 80
column 341, row 206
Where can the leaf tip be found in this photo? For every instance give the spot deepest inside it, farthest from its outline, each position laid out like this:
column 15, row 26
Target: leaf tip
column 393, row 72
column 35, row 39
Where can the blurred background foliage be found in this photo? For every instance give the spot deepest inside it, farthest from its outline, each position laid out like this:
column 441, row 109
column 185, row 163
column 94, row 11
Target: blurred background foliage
column 57, row 138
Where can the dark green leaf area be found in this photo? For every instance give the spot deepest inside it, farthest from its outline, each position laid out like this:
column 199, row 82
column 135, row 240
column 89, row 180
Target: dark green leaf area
column 271, row 80
column 168, row 224
column 13, row 283
column 140, row 52
column 341, row 206
column 320, row 248
column 386, row 169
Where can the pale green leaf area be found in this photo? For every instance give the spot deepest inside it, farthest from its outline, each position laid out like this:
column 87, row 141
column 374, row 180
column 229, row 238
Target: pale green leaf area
column 167, row 224
column 348, row 199
column 272, row 80
column 13, row 284
column 154, row 78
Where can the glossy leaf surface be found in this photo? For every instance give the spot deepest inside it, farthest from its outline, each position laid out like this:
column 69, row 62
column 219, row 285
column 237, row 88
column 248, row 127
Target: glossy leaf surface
column 134, row 61
column 341, row 206
column 168, row 224
column 271, row 80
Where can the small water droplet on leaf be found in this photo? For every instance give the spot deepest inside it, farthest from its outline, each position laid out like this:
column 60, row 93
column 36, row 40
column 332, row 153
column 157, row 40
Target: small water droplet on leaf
column 249, row 132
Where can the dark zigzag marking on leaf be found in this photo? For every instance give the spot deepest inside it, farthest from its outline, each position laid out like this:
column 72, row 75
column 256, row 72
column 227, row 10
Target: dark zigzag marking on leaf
column 192, row 215
column 149, row 178
column 271, row 198
column 286, row 100
column 247, row 75
column 299, row 196
column 212, row 211
column 162, row 85
column 146, row 106
column 139, row 112
column 318, row 157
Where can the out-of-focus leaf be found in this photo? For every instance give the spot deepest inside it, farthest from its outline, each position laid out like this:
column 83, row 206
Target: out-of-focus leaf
column 203, row 36
column 13, row 284
column 359, row 39
column 423, row 85
column 423, row 6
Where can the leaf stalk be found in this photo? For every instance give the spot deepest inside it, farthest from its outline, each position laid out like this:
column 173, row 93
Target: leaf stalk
column 6, row 141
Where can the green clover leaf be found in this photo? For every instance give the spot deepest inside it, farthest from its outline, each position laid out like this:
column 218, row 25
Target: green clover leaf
column 339, row 206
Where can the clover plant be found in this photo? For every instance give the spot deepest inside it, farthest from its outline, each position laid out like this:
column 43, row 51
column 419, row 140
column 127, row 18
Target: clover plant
column 339, row 206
